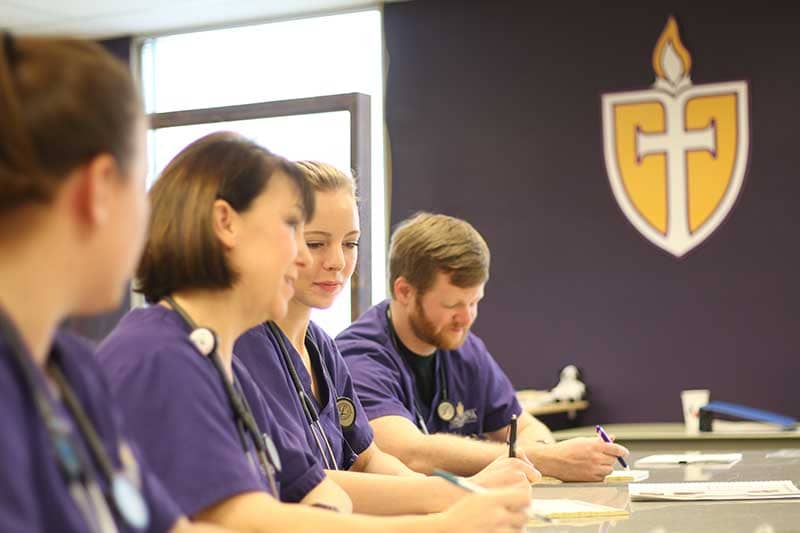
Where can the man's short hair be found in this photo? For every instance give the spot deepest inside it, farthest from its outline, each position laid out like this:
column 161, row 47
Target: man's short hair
column 426, row 244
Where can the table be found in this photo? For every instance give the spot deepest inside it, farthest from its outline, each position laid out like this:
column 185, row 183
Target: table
column 765, row 516
column 669, row 436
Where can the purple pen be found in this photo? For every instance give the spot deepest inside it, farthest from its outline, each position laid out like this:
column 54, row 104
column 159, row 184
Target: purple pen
column 603, row 435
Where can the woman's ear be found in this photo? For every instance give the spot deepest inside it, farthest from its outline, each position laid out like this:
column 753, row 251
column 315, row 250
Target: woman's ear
column 225, row 221
column 93, row 188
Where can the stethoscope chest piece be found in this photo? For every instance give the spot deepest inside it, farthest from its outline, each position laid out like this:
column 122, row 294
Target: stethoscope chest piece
column 446, row 411
column 129, row 502
column 204, row 340
column 347, row 411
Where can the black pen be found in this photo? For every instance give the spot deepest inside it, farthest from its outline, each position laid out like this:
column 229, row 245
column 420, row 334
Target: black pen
column 512, row 437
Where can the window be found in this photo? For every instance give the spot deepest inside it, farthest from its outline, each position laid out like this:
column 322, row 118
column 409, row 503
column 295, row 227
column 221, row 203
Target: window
column 279, row 61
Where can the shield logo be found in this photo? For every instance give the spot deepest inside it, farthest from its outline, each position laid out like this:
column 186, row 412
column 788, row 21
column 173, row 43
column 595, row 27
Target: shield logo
column 676, row 154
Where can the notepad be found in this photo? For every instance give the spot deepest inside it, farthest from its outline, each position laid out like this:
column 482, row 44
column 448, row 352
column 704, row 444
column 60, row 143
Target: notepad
column 690, row 458
column 561, row 508
column 784, row 454
column 549, row 480
column 627, row 476
column 727, row 490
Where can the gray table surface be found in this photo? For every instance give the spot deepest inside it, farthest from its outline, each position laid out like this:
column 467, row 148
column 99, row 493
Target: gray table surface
column 764, row 516
column 670, row 436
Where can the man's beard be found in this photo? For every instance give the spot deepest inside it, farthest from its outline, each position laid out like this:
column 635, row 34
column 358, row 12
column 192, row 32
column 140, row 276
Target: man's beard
column 425, row 331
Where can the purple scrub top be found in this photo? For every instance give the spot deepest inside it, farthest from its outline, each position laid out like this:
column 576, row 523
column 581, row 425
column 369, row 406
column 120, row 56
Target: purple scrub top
column 260, row 352
column 176, row 407
column 481, row 392
column 35, row 496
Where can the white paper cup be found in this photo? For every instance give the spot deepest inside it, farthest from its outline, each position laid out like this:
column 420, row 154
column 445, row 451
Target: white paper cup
column 692, row 401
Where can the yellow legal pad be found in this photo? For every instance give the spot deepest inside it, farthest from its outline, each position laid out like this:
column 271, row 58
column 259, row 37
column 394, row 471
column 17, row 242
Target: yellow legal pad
column 561, row 508
column 548, row 480
column 627, row 476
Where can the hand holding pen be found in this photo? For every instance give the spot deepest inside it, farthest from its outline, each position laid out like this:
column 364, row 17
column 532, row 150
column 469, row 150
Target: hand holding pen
column 477, row 489
column 604, row 436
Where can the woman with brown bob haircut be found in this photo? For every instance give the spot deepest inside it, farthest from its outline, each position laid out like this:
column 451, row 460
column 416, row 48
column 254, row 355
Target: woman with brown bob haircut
column 222, row 255
column 72, row 223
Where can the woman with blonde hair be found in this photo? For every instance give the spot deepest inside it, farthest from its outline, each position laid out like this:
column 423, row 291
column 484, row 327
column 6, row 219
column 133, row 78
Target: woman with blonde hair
column 305, row 381
column 222, row 255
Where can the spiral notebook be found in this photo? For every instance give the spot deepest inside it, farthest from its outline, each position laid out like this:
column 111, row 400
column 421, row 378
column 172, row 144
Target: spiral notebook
column 717, row 490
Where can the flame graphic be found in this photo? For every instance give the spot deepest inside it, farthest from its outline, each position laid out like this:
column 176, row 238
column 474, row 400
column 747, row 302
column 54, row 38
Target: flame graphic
column 671, row 60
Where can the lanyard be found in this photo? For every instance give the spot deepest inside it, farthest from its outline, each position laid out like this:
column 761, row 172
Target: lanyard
column 124, row 497
column 206, row 341
column 311, row 414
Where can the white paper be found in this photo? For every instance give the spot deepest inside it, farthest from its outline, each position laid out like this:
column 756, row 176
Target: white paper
column 561, row 508
column 690, row 458
column 793, row 453
column 719, row 490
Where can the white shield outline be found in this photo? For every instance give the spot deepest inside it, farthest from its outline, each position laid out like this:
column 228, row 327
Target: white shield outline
column 682, row 244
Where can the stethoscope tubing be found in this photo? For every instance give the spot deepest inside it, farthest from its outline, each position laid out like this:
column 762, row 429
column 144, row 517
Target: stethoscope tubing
column 245, row 422
column 441, row 375
column 79, row 471
column 312, row 416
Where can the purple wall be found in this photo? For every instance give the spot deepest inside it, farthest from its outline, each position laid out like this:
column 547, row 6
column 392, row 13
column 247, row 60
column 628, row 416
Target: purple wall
column 120, row 47
column 493, row 111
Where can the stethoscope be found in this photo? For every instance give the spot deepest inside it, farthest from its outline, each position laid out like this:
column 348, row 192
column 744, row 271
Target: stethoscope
column 310, row 411
column 125, row 497
column 206, row 342
column 445, row 410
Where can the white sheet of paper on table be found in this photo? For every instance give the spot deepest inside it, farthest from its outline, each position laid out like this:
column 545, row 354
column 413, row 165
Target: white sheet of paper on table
column 690, row 458
column 562, row 508
column 716, row 490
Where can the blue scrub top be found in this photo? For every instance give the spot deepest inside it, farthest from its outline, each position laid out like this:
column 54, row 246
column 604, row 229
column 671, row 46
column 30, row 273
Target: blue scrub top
column 35, row 495
column 259, row 350
column 481, row 392
column 176, row 407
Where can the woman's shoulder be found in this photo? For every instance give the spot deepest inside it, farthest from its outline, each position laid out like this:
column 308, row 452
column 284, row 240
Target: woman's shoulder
column 152, row 344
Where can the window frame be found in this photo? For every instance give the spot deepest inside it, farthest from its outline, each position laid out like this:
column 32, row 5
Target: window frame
column 358, row 105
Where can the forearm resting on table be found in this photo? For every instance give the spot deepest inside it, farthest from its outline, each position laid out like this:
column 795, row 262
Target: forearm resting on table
column 423, row 453
column 257, row 512
column 329, row 493
column 373, row 460
column 379, row 494
column 531, row 430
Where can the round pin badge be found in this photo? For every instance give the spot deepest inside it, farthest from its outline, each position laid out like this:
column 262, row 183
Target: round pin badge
column 129, row 502
column 446, row 411
column 347, row 412
column 203, row 339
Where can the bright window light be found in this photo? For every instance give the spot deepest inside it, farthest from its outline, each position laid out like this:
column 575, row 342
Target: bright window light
column 278, row 61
